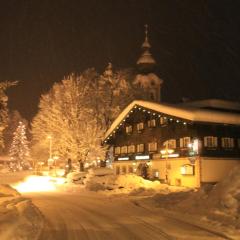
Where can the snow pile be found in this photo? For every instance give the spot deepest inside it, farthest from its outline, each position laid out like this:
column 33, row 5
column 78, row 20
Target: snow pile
column 18, row 217
column 99, row 179
column 220, row 203
column 103, row 179
column 76, row 177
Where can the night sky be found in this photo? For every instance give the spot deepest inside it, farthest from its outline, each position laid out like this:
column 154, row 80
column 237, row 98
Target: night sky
column 195, row 43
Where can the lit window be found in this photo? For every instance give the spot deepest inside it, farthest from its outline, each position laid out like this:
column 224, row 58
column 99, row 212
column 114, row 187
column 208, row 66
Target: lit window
column 140, row 148
column 129, row 129
column 210, row 141
column 151, row 123
column 152, row 146
column 184, row 142
column 124, row 149
column 171, row 143
column 117, row 150
column 131, row 149
column 163, row 120
column 140, row 126
column 227, row 142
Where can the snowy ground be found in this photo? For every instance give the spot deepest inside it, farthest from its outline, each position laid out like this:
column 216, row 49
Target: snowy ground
column 100, row 205
column 19, row 218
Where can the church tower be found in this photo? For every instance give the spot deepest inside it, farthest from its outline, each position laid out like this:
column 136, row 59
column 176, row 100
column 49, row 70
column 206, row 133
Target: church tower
column 146, row 78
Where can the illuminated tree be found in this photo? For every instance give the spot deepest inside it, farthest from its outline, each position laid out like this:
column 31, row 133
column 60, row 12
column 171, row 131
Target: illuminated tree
column 66, row 113
column 114, row 93
column 19, row 149
column 3, row 109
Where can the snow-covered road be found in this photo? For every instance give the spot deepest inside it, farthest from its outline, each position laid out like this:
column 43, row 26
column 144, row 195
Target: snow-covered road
column 88, row 215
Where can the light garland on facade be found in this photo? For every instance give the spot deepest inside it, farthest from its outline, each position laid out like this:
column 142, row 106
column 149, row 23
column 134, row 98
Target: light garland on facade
column 146, row 110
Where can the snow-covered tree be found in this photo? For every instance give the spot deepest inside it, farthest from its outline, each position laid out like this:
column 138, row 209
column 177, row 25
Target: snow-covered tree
column 66, row 113
column 19, row 150
column 3, row 109
column 114, row 92
column 14, row 117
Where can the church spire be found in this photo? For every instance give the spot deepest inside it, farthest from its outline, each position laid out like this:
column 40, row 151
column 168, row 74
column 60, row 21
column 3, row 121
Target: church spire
column 146, row 61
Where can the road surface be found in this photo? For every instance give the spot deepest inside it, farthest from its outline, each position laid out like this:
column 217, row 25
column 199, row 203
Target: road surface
column 91, row 216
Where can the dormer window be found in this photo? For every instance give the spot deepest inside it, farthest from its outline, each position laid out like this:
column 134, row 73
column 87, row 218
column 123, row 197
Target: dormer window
column 129, row 129
column 227, row 142
column 140, row 126
column 151, row 123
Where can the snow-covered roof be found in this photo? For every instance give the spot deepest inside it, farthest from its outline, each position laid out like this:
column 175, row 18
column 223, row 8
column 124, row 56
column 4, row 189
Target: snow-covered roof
column 187, row 113
column 213, row 103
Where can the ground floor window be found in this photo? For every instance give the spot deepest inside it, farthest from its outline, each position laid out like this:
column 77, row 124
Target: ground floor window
column 152, row 147
column 140, row 148
column 227, row 142
column 184, row 142
column 210, row 141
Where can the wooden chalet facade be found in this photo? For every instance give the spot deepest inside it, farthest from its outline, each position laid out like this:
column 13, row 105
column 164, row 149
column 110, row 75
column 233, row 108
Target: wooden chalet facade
column 186, row 145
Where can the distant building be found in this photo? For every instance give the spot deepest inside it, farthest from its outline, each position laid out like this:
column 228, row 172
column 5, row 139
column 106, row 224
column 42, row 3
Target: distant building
column 186, row 144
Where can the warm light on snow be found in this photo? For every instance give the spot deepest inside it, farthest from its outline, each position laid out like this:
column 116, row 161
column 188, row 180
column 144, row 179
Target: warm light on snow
column 39, row 184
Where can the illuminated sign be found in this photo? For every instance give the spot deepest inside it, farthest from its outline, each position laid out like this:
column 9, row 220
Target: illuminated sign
column 143, row 157
column 187, row 169
column 173, row 155
column 123, row 158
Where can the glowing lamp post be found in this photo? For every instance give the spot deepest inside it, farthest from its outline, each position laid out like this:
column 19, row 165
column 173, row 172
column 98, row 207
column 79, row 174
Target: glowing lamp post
column 50, row 147
column 165, row 152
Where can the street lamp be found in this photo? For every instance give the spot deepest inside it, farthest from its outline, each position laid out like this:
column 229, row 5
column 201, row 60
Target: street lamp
column 50, row 147
column 165, row 152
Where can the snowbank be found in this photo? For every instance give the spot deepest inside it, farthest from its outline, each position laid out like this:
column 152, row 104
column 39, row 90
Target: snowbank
column 19, row 218
column 219, row 204
column 104, row 180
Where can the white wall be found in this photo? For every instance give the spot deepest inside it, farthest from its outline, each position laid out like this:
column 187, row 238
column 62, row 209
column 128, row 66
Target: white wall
column 215, row 169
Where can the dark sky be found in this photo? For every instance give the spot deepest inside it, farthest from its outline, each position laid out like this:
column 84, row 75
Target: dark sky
column 196, row 44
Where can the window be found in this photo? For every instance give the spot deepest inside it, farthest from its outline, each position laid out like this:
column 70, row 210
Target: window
column 163, row 120
column 124, row 149
column 129, row 129
column 140, row 126
column 227, row 142
column 171, row 143
column 130, row 169
column 152, row 146
column 124, row 169
column 238, row 142
column 117, row 150
column 210, row 141
column 140, row 148
column 151, row 123
column 184, row 142
column 131, row 149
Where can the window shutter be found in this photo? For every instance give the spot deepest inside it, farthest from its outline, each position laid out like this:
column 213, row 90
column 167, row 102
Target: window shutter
column 181, row 142
column 205, row 141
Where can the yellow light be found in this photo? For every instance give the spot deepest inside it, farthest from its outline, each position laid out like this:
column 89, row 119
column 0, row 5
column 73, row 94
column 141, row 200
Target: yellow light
column 183, row 170
column 167, row 151
column 39, row 184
